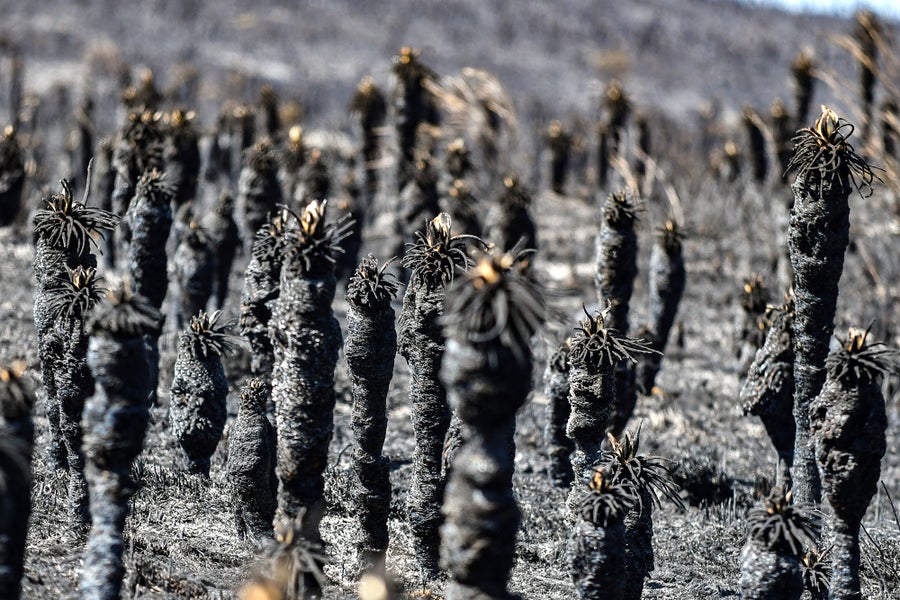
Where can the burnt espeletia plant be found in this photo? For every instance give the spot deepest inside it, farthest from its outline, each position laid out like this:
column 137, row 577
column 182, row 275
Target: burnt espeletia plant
column 197, row 410
column 651, row 478
column 434, row 261
column 827, row 171
column 370, row 348
column 115, row 421
column 149, row 219
column 667, row 281
column 306, row 338
column 251, row 463
column 71, row 299
column 491, row 315
column 616, row 254
column 770, row 559
column 16, row 438
column 510, row 222
column 224, row 238
column 596, row 350
column 259, row 191
column 261, row 288
column 556, row 389
column 138, row 151
column 768, row 390
column 195, row 272
column 370, row 107
column 181, row 155
column 596, row 547
column 66, row 230
column 848, row 423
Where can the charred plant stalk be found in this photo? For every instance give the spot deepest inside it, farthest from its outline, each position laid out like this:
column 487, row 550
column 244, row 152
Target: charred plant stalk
column 419, row 200
column 65, row 230
column 306, row 339
column 195, row 273
column 556, row 389
column 770, row 560
column 261, row 289
column 848, row 426
column 596, row 350
column 197, row 410
column 650, row 477
column 224, row 238
column 103, row 182
column 667, row 280
column 115, row 420
column 16, row 438
column 782, row 131
column 757, row 141
column 139, row 150
column 370, row 107
column 251, row 463
column 70, row 301
column 181, row 156
column 827, row 169
column 616, row 251
column 618, row 109
column 434, row 260
column 491, row 317
column 370, row 348
column 596, row 547
column 867, row 33
column 413, row 105
column 511, row 223
column 259, row 192
column 768, row 391
column 560, row 141
column 804, row 85
column 149, row 219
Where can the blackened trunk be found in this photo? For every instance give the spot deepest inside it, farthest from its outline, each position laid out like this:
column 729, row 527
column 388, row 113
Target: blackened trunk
column 591, row 396
column 768, row 391
column 818, row 236
column 845, row 584
column 596, row 560
column 667, row 281
column 768, row 575
column 556, row 389
column 639, row 559
column 251, row 464
column 306, row 339
column 197, row 407
column 487, row 386
column 74, row 385
column 370, row 348
column 422, row 345
column 115, row 421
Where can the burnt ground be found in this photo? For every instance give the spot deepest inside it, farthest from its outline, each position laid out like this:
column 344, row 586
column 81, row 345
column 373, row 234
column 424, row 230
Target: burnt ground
column 180, row 541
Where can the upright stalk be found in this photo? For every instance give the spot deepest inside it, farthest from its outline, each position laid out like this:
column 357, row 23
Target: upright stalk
column 370, row 348
column 434, row 260
column 306, row 339
column 115, row 420
column 491, row 317
column 827, row 169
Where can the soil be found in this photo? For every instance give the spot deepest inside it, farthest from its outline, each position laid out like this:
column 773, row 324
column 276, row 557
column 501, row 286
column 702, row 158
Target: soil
column 181, row 540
